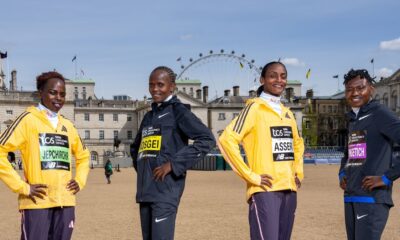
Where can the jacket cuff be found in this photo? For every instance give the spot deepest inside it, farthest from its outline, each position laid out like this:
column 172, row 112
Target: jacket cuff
column 342, row 174
column 386, row 180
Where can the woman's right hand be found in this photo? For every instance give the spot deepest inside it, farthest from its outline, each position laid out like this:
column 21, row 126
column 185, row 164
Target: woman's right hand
column 266, row 180
column 37, row 190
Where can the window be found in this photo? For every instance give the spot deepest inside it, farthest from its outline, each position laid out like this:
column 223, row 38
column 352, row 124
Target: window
column 87, row 117
column 184, row 90
column 307, row 140
column 129, row 117
column 221, row 116
column 334, row 109
column 115, row 134
column 323, row 109
column 129, row 134
column 84, row 92
column 101, row 134
column 101, row 117
column 10, row 112
column 329, row 109
column 115, row 117
column 235, row 115
column 76, row 93
column 87, row 134
column 308, row 124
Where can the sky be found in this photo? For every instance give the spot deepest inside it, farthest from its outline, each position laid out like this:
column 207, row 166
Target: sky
column 118, row 43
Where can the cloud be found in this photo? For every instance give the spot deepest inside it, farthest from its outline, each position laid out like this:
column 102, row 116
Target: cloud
column 292, row 62
column 186, row 37
column 391, row 44
column 384, row 72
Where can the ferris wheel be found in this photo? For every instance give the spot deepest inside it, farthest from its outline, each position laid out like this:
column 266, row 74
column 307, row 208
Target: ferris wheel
column 220, row 70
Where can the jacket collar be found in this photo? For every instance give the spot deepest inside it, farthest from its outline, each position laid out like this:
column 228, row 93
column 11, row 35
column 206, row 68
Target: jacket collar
column 159, row 107
column 364, row 109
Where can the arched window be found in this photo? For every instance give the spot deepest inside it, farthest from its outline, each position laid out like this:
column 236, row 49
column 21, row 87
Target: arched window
column 385, row 100
column 377, row 97
column 94, row 157
column 393, row 100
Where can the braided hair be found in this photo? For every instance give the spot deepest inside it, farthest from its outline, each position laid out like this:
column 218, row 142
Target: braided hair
column 168, row 70
column 264, row 71
column 42, row 79
column 362, row 73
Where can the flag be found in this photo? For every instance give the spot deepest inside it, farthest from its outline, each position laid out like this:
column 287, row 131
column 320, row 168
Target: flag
column 241, row 64
column 179, row 59
column 74, row 58
column 308, row 73
column 336, row 76
column 82, row 72
column 3, row 55
column 372, row 60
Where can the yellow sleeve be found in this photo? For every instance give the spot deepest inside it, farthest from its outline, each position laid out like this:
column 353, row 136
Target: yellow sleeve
column 11, row 140
column 298, row 145
column 231, row 138
column 81, row 154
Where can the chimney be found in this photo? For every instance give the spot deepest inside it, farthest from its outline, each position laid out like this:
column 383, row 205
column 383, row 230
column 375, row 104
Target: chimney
column 205, row 94
column 227, row 92
column 235, row 91
column 198, row 94
column 252, row 94
column 310, row 93
column 13, row 81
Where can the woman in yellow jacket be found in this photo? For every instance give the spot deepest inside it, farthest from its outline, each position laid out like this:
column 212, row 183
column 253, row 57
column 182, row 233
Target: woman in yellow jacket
column 268, row 133
column 47, row 142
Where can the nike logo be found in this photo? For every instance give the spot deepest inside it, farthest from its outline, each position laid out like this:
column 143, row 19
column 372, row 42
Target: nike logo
column 71, row 224
column 361, row 118
column 359, row 217
column 162, row 115
column 160, row 220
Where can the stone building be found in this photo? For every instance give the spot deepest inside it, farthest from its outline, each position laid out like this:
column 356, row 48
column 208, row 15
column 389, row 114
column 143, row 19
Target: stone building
column 324, row 121
column 98, row 121
column 387, row 92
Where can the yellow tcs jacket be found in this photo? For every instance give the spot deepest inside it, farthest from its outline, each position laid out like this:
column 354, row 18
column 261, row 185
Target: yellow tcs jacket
column 271, row 143
column 46, row 157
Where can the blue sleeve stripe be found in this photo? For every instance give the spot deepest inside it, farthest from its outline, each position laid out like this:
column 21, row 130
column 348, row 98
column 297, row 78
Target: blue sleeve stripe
column 359, row 199
column 386, row 180
column 341, row 175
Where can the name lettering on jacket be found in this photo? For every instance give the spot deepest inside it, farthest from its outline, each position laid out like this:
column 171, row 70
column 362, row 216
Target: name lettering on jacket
column 54, row 151
column 282, row 143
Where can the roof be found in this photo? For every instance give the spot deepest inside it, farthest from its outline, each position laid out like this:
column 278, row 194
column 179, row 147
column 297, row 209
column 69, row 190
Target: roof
column 189, row 81
column 81, row 80
column 294, row 82
column 394, row 77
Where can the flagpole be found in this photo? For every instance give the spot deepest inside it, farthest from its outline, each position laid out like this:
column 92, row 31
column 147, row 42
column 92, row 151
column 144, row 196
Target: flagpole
column 373, row 69
column 76, row 68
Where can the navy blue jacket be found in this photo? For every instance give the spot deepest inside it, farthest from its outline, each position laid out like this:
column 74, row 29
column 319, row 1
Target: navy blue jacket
column 163, row 136
column 369, row 152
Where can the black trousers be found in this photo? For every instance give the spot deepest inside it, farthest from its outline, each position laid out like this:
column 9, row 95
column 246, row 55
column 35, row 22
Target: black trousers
column 157, row 220
column 365, row 220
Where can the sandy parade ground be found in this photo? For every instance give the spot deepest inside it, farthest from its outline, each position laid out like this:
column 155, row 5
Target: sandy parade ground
column 213, row 207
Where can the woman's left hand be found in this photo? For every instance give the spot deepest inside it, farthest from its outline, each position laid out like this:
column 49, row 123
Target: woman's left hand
column 73, row 186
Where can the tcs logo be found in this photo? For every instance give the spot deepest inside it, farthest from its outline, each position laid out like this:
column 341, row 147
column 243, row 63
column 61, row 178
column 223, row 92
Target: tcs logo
column 277, row 132
column 46, row 140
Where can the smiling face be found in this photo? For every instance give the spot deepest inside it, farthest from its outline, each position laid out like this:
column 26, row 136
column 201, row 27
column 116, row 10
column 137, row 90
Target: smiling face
column 53, row 94
column 358, row 92
column 274, row 79
column 160, row 86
